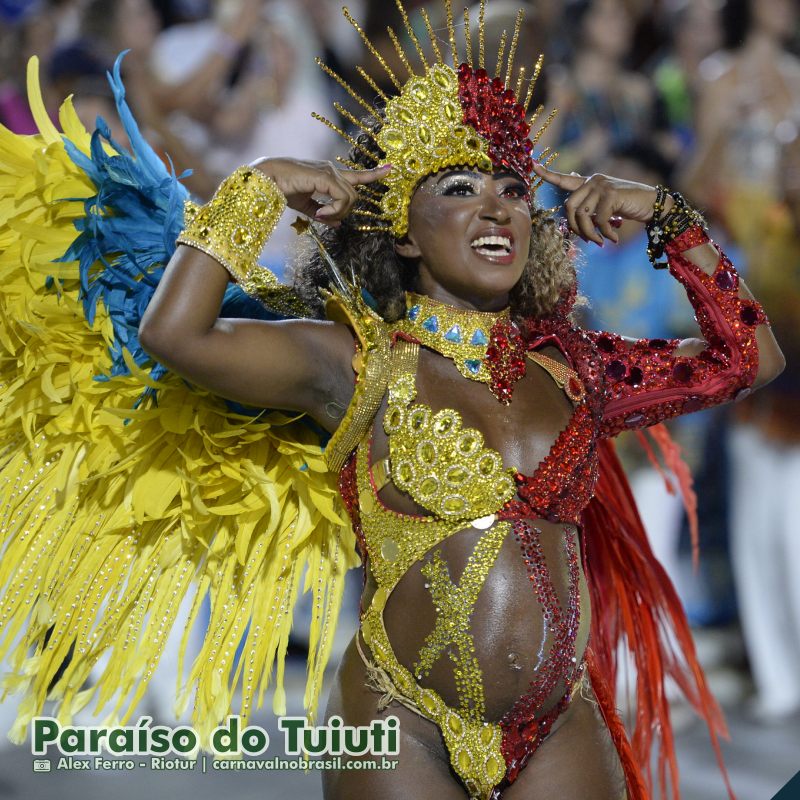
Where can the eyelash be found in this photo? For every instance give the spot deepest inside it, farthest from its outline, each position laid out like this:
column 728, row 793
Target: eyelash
column 457, row 187
column 460, row 188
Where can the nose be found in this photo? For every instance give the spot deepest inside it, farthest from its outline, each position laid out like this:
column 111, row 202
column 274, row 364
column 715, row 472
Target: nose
column 493, row 207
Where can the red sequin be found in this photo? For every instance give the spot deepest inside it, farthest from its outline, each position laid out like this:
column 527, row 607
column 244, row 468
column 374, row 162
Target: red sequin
column 646, row 383
column 493, row 111
column 524, row 727
column 505, row 358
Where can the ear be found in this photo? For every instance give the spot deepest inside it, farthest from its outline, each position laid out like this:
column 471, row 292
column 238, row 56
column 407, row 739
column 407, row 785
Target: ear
column 406, row 247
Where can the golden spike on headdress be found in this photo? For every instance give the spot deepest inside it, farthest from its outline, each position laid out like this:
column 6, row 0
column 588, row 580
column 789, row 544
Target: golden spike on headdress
column 514, row 42
column 544, row 127
column 551, row 158
column 520, row 82
column 468, row 36
column 346, row 136
column 345, row 85
column 535, row 115
column 371, row 214
column 532, row 85
column 411, row 33
column 368, row 190
column 482, row 36
column 451, row 31
column 501, row 53
column 372, row 228
column 432, row 35
column 377, row 89
column 373, row 202
column 348, row 163
column 371, row 47
column 400, row 52
column 357, row 122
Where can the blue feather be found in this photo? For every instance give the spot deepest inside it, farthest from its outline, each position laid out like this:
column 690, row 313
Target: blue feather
column 128, row 235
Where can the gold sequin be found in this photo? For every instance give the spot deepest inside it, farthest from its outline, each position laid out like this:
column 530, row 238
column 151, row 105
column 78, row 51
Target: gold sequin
column 423, row 130
column 442, row 465
column 454, row 604
column 233, row 227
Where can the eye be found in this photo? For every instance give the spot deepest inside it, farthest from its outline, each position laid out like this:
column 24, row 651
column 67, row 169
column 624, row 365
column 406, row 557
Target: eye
column 461, row 188
column 514, row 190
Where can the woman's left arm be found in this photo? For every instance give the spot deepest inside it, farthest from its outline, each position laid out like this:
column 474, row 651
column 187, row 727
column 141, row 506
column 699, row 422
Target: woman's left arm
column 649, row 380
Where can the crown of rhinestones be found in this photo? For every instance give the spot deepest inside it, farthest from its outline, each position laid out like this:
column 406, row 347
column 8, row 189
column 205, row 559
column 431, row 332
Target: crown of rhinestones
column 445, row 115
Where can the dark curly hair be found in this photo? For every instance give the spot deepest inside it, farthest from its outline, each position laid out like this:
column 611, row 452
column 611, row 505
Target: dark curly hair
column 371, row 257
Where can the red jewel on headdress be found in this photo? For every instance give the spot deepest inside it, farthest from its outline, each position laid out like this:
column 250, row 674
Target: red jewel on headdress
column 493, row 111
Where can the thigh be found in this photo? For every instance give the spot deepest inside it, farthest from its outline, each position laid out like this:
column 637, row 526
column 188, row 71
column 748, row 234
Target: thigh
column 576, row 762
column 423, row 768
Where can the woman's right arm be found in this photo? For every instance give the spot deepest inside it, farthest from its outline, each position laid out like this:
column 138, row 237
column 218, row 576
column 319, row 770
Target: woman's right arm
column 302, row 365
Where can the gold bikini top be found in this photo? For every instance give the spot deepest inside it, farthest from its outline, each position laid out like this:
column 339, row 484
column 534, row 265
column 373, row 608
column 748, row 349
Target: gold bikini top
column 445, row 467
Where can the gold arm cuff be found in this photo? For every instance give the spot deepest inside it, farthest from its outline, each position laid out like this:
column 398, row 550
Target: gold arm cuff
column 233, row 228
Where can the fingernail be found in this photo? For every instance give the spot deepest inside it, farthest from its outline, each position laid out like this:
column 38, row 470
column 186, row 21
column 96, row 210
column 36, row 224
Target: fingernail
column 386, row 166
column 322, row 213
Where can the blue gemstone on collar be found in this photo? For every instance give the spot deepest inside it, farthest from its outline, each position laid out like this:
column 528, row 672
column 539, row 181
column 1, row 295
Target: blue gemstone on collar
column 479, row 338
column 454, row 334
column 431, row 324
column 473, row 365
column 413, row 312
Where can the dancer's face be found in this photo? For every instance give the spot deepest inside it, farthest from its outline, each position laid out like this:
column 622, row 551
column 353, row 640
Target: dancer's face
column 469, row 232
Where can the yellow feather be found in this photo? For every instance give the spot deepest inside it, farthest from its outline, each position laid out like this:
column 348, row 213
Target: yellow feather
column 129, row 510
column 46, row 128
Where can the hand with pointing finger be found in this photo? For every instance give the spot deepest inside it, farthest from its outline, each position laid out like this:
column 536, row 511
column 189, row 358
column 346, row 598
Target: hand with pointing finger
column 300, row 181
column 594, row 202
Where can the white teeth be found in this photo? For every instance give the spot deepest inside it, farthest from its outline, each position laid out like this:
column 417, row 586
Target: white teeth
column 488, row 241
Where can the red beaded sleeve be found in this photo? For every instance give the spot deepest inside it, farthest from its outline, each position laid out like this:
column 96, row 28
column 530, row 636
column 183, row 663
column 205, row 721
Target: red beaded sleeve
column 646, row 383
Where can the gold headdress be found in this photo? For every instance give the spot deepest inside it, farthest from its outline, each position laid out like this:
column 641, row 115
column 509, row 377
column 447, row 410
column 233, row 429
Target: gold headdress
column 444, row 115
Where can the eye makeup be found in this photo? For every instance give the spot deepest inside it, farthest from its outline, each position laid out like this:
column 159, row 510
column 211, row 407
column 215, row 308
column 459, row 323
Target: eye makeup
column 458, row 183
column 464, row 183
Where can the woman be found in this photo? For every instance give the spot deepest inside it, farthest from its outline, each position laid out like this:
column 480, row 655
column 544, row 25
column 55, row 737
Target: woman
column 480, row 650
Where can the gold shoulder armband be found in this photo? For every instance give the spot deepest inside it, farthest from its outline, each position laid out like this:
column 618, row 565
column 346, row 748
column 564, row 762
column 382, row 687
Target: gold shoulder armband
column 372, row 365
column 233, row 228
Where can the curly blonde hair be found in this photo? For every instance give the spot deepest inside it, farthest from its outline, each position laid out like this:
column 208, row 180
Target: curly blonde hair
column 548, row 275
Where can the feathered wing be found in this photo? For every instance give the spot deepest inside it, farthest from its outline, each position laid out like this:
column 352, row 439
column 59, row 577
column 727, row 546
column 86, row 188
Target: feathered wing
column 123, row 490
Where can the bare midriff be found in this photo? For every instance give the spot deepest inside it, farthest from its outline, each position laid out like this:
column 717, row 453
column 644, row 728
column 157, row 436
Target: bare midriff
column 507, row 624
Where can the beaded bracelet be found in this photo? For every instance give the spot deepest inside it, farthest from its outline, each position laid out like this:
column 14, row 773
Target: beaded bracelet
column 233, row 228
column 663, row 229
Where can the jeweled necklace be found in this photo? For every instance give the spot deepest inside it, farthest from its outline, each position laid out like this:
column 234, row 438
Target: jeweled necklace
column 485, row 346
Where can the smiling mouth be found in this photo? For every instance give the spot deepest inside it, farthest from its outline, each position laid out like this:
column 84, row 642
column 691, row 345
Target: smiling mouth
column 492, row 245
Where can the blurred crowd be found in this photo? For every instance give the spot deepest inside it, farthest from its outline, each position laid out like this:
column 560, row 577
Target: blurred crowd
column 702, row 95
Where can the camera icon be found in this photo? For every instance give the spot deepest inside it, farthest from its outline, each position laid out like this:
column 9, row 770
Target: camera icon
column 41, row 765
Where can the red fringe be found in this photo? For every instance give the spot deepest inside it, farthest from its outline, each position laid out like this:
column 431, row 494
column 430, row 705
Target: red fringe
column 605, row 700
column 671, row 453
column 635, row 600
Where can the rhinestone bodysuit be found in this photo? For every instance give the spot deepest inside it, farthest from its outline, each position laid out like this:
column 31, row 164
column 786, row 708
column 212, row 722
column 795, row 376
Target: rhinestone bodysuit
column 447, row 470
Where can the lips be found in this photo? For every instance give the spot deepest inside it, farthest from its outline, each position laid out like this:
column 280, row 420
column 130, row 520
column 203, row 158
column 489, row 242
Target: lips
column 495, row 245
